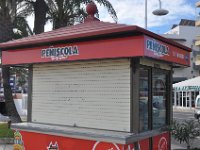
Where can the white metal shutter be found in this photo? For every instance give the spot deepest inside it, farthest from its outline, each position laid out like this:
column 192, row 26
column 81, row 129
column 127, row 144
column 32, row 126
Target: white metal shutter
column 93, row 94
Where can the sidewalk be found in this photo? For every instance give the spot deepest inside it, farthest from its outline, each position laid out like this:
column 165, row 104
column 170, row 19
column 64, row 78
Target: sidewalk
column 6, row 144
column 175, row 145
column 6, row 147
column 182, row 109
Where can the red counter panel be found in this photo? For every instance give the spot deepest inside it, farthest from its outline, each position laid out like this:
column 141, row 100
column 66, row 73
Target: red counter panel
column 161, row 142
column 32, row 141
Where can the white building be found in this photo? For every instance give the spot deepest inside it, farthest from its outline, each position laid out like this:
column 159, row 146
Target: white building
column 186, row 33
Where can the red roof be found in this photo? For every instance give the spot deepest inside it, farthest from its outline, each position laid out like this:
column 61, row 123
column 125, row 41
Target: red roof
column 84, row 30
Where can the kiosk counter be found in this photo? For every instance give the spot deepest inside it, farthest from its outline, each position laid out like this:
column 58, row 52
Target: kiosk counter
column 96, row 86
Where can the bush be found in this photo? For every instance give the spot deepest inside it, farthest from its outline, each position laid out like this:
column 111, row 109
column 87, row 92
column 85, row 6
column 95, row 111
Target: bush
column 185, row 131
column 5, row 132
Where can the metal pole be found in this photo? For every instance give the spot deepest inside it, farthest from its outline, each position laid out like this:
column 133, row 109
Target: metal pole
column 160, row 4
column 186, row 96
column 182, row 99
column 175, row 101
column 190, row 99
column 145, row 14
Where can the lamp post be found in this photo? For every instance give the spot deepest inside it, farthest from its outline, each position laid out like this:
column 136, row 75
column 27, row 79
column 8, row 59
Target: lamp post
column 157, row 12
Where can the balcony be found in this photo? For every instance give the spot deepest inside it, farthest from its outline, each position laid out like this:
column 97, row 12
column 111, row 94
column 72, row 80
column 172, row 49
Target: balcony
column 196, row 64
column 197, row 23
column 196, row 67
column 195, row 53
column 197, row 41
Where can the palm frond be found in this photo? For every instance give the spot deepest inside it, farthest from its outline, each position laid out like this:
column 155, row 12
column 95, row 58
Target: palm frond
column 22, row 28
column 51, row 4
column 109, row 7
column 66, row 12
column 24, row 9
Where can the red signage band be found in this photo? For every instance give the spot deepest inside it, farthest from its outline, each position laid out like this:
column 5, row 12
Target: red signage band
column 112, row 48
column 134, row 46
column 163, row 51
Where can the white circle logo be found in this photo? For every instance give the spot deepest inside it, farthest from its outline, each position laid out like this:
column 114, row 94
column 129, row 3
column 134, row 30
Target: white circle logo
column 105, row 146
column 162, row 144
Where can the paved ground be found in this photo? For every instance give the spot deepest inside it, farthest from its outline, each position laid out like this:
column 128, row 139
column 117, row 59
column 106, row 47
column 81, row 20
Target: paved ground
column 6, row 147
column 176, row 145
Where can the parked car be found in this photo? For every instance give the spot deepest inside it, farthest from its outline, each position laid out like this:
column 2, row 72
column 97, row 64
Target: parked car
column 197, row 108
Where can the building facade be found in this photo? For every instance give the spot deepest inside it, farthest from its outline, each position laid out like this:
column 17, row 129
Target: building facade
column 186, row 33
column 197, row 42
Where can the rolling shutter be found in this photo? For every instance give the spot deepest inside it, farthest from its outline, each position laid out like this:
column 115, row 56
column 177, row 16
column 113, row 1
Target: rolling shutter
column 92, row 94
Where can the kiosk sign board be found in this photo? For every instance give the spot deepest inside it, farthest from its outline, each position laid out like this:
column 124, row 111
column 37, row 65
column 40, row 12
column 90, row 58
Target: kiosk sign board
column 163, row 51
column 112, row 48
column 119, row 47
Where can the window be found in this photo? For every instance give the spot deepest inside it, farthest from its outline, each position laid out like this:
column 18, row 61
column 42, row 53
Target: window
column 153, row 88
column 159, row 91
column 143, row 99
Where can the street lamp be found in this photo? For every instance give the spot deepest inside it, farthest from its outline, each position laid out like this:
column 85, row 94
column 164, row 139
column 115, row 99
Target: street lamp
column 157, row 12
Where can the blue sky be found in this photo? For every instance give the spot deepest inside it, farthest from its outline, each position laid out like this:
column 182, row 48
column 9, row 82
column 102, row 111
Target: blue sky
column 132, row 12
column 184, row 15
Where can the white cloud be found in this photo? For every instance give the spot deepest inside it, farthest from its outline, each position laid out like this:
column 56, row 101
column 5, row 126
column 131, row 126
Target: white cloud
column 133, row 12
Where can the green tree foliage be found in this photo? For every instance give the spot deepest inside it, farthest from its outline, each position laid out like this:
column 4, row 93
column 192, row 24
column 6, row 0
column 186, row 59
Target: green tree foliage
column 186, row 131
column 67, row 12
column 61, row 12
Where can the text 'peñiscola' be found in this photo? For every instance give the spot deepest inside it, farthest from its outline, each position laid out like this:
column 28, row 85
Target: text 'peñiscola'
column 59, row 51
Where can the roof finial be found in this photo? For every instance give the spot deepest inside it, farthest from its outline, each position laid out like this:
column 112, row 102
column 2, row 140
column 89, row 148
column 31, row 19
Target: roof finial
column 91, row 9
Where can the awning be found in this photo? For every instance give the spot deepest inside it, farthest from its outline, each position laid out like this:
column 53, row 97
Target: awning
column 188, row 85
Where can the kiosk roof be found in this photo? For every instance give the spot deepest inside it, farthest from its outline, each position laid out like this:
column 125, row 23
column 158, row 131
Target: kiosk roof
column 90, row 29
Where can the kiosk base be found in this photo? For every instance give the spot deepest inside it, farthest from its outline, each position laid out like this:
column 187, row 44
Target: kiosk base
column 78, row 140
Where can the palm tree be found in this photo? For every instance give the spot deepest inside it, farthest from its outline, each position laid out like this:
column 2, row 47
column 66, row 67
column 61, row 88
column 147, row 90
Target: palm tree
column 39, row 8
column 6, row 26
column 5, row 21
column 60, row 12
column 8, row 18
column 11, row 19
column 66, row 12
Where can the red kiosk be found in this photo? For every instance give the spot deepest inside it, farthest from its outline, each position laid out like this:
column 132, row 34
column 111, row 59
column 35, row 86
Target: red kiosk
column 96, row 86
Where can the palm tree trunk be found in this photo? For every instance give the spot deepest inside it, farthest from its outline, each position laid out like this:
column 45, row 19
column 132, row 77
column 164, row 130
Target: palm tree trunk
column 188, row 147
column 40, row 10
column 10, row 105
column 5, row 28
